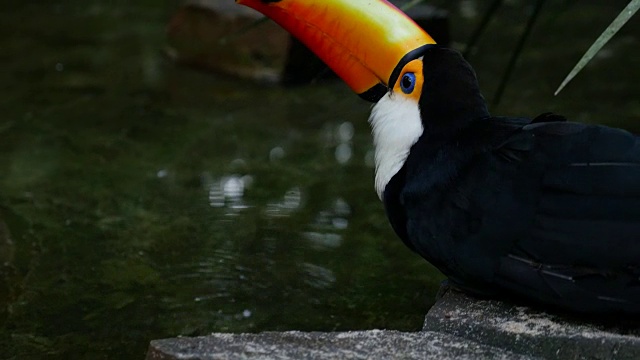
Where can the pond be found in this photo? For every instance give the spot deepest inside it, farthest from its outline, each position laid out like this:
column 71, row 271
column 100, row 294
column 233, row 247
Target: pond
column 143, row 200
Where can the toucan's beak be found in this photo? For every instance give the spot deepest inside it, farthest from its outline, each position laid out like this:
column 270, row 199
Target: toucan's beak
column 365, row 42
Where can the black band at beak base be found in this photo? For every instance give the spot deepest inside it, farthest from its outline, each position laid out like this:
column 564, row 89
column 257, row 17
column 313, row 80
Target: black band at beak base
column 411, row 55
column 379, row 90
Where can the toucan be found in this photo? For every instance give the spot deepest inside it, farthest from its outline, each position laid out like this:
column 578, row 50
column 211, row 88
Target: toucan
column 542, row 210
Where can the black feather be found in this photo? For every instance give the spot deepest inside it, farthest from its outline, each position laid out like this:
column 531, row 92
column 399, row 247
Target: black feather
column 547, row 210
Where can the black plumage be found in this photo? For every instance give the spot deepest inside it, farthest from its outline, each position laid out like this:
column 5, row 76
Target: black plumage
column 544, row 209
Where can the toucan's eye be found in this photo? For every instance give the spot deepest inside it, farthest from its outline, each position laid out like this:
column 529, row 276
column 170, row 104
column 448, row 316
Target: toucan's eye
column 408, row 83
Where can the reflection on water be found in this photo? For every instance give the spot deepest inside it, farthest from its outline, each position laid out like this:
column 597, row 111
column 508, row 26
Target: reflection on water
column 139, row 200
column 227, row 191
column 344, row 134
column 291, row 201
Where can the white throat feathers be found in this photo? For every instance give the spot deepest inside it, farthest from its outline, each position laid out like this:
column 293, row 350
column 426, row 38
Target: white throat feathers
column 396, row 126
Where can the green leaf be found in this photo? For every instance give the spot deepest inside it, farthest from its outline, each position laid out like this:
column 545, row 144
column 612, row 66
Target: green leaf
column 410, row 4
column 604, row 38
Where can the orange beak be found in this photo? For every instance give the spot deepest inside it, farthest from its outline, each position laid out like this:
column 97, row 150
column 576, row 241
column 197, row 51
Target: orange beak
column 363, row 41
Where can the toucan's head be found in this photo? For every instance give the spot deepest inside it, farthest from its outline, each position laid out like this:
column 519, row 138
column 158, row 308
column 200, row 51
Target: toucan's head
column 387, row 59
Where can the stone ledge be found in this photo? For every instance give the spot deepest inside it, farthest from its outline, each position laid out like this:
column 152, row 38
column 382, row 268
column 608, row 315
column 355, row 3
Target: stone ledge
column 527, row 331
column 374, row 344
column 457, row 327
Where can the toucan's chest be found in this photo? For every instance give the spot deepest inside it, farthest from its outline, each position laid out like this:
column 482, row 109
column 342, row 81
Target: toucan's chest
column 453, row 201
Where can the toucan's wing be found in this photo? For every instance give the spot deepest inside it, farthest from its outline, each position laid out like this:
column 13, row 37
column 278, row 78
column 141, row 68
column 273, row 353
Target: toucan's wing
column 583, row 250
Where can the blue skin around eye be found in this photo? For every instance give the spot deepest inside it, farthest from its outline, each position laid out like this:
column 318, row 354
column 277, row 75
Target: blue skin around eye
column 408, row 83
